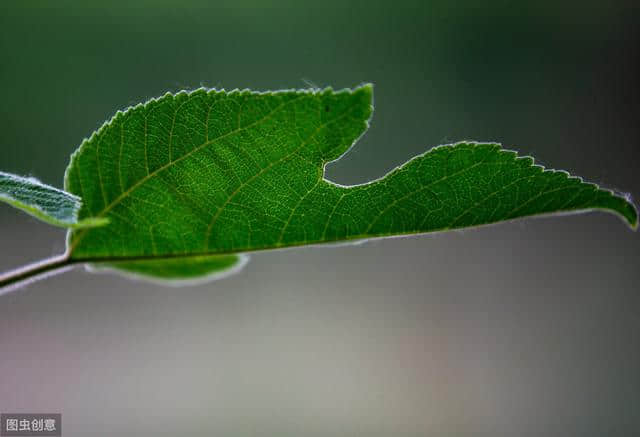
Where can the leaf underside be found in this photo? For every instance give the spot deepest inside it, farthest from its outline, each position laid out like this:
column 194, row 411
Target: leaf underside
column 215, row 172
column 44, row 202
column 180, row 270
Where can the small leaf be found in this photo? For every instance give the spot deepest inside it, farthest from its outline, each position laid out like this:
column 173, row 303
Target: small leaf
column 44, row 202
column 212, row 172
column 178, row 270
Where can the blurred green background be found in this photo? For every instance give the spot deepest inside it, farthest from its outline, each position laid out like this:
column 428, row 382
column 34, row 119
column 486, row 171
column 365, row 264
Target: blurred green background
column 527, row 328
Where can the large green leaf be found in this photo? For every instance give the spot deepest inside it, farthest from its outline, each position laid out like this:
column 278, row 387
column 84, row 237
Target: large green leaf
column 215, row 172
column 44, row 202
column 188, row 182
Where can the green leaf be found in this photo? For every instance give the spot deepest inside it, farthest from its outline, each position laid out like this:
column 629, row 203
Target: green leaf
column 215, row 172
column 44, row 202
column 179, row 270
column 187, row 182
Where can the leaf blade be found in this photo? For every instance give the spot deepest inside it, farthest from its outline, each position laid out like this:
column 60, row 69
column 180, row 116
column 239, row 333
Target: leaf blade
column 211, row 172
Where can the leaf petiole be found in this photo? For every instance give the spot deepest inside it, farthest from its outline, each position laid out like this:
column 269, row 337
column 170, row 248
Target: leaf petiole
column 35, row 271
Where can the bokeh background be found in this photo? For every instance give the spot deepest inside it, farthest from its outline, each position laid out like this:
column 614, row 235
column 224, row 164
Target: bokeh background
column 522, row 329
